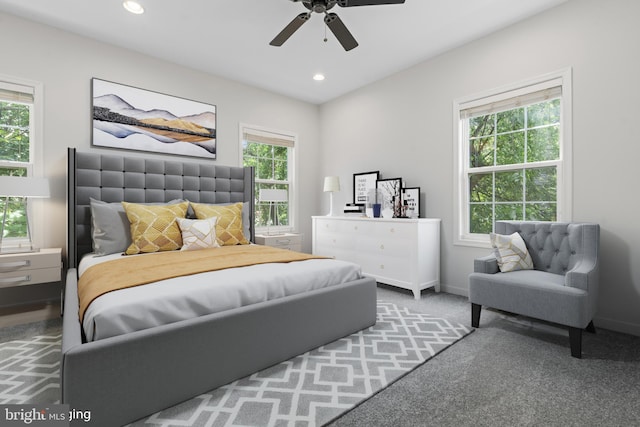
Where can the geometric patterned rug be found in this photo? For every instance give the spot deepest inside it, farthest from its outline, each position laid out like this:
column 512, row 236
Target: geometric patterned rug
column 309, row 390
column 29, row 370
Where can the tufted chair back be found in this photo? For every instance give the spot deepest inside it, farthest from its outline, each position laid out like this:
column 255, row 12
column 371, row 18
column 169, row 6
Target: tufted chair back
column 555, row 247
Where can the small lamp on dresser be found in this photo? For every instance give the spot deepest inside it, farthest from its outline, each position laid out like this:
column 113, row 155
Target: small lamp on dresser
column 24, row 188
column 331, row 185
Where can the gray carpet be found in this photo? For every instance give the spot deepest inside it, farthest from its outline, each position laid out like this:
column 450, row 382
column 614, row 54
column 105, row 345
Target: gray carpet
column 512, row 371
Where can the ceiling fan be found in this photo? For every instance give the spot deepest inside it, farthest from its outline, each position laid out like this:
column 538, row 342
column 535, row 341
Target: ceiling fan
column 332, row 20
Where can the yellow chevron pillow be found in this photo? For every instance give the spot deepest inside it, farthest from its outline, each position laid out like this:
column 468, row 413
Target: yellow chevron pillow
column 154, row 228
column 229, row 225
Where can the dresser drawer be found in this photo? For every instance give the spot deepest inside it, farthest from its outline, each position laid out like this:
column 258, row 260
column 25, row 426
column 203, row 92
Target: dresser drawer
column 290, row 241
column 30, row 268
column 399, row 252
column 29, row 277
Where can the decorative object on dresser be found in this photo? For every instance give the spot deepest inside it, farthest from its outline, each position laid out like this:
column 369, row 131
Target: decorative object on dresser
column 24, row 188
column 331, row 185
column 273, row 196
column 30, row 268
column 411, row 200
column 137, row 119
column 390, row 192
column 398, row 252
column 363, row 183
column 352, row 209
column 290, row 241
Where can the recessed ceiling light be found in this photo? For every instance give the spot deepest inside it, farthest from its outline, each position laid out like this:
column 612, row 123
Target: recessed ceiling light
column 133, row 7
column 318, row 77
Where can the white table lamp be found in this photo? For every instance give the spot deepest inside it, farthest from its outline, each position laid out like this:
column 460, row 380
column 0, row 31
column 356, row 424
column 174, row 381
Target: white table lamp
column 24, row 187
column 331, row 185
column 272, row 196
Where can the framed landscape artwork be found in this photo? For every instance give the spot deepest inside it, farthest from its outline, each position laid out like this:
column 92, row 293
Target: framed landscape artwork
column 136, row 119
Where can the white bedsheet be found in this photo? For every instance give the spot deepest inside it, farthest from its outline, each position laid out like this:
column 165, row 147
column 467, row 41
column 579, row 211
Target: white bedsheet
column 181, row 298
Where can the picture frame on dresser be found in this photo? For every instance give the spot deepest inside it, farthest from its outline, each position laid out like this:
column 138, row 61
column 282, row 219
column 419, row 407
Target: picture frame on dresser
column 363, row 183
column 390, row 191
column 411, row 199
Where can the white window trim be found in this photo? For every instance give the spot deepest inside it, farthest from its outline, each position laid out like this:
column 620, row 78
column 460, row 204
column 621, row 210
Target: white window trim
column 461, row 155
column 36, row 206
column 293, row 176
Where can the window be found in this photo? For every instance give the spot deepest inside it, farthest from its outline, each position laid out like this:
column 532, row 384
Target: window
column 16, row 149
column 513, row 157
column 271, row 153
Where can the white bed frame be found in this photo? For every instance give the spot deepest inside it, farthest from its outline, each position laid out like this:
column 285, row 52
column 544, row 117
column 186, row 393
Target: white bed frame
column 125, row 378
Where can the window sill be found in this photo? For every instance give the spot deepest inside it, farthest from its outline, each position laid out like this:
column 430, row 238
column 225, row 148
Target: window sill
column 473, row 242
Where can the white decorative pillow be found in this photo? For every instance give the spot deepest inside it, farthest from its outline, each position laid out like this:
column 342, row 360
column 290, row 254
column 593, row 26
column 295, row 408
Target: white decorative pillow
column 198, row 233
column 511, row 252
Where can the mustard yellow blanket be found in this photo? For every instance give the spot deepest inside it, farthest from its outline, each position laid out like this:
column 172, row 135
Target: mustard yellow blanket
column 136, row 270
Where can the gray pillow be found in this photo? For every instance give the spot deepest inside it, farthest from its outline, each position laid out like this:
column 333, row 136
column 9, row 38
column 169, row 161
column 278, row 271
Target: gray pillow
column 110, row 227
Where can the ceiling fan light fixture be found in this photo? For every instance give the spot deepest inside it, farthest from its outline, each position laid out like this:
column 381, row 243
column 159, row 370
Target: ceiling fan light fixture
column 133, row 7
column 318, row 77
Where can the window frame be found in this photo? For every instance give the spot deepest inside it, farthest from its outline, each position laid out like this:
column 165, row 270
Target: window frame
column 291, row 179
column 561, row 78
column 35, row 166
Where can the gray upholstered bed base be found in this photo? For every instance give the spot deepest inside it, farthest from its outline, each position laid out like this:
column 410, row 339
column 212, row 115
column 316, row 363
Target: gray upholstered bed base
column 125, row 378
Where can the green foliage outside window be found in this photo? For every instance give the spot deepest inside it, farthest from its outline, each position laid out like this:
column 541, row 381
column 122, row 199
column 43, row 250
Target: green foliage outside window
column 519, row 137
column 14, row 150
column 271, row 163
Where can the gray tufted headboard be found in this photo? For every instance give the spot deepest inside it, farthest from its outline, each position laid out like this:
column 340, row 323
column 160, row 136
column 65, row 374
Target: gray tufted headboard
column 134, row 179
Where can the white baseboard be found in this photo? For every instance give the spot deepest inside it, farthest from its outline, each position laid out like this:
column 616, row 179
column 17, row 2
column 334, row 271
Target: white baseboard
column 617, row 325
column 456, row 290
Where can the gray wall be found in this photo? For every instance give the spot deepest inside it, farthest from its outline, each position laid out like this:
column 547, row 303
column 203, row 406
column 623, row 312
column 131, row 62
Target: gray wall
column 65, row 64
column 403, row 126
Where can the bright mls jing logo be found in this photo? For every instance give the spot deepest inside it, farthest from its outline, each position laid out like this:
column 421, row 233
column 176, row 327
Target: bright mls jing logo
column 39, row 415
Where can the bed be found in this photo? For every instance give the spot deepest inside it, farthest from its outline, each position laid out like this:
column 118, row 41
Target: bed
column 125, row 377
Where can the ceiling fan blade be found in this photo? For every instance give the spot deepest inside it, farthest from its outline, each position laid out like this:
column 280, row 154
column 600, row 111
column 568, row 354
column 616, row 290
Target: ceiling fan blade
column 350, row 3
column 290, row 29
column 341, row 32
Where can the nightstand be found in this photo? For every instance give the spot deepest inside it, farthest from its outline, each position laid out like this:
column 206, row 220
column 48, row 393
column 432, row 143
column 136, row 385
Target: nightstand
column 29, row 268
column 291, row 241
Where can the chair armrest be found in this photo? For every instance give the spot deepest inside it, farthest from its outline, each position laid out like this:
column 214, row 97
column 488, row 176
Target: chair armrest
column 584, row 275
column 486, row 264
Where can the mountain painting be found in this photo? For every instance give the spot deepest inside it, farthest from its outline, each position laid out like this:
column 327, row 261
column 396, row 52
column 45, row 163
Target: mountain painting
column 137, row 119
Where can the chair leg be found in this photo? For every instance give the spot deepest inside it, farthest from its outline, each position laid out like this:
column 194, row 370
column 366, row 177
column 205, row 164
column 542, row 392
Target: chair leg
column 475, row 315
column 590, row 328
column 575, row 341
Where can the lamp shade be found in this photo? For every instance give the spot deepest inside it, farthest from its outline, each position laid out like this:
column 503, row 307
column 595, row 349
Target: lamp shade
column 331, row 183
column 21, row 186
column 273, row 195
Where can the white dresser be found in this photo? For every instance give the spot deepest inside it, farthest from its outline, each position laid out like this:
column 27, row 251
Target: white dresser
column 398, row 252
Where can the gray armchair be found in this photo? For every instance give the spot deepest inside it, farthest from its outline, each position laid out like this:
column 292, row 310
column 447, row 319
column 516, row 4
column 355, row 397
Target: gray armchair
column 563, row 286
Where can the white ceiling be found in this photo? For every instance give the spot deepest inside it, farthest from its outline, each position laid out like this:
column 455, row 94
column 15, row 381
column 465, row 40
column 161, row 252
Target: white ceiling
column 230, row 38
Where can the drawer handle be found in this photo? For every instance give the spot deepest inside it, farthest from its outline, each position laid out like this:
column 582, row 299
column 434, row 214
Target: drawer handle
column 283, row 241
column 393, row 230
column 17, row 264
column 11, row 280
column 382, row 247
